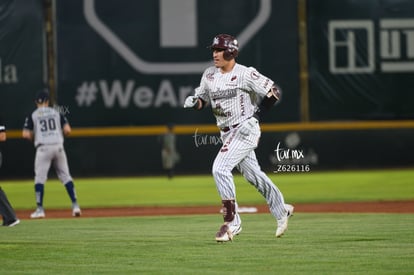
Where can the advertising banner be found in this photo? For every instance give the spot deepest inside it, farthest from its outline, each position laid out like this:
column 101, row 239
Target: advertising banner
column 134, row 62
column 361, row 59
column 21, row 58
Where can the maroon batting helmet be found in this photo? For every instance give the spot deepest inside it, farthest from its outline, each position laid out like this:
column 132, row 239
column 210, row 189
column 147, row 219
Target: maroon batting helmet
column 227, row 43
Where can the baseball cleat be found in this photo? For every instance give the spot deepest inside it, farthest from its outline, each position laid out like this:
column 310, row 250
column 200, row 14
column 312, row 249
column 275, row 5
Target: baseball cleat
column 13, row 223
column 290, row 209
column 235, row 229
column 39, row 213
column 224, row 234
column 76, row 212
column 282, row 224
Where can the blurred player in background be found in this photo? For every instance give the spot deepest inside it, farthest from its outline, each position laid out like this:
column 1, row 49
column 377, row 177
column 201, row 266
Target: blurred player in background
column 239, row 97
column 169, row 154
column 6, row 210
column 46, row 128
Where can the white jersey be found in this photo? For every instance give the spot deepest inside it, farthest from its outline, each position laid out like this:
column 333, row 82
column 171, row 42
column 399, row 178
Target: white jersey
column 234, row 95
column 46, row 124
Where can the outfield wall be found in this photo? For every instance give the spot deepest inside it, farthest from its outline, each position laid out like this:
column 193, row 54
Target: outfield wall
column 141, row 155
column 120, row 70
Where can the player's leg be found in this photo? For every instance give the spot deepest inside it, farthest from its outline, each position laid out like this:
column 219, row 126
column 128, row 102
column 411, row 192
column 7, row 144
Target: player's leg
column 7, row 211
column 252, row 172
column 234, row 149
column 168, row 162
column 61, row 166
column 43, row 159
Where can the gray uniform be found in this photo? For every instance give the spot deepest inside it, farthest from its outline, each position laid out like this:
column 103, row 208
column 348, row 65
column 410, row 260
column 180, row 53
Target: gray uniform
column 169, row 152
column 46, row 124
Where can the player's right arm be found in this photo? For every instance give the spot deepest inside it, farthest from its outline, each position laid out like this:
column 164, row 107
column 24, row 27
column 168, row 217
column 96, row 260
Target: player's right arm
column 194, row 102
column 28, row 128
column 2, row 132
column 200, row 98
column 197, row 100
column 27, row 134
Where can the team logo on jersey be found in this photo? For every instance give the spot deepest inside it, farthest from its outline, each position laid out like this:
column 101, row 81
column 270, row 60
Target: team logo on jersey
column 219, row 94
column 266, row 83
column 210, row 76
column 233, row 78
column 255, row 75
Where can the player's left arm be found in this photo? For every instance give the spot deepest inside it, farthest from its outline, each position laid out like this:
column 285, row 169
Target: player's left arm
column 66, row 129
column 271, row 98
column 269, row 92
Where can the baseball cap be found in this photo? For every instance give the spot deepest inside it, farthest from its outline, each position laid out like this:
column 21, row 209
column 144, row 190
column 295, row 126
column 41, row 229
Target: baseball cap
column 42, row 96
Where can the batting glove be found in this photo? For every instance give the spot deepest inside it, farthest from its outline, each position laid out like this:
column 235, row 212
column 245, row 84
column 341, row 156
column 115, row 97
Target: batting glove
column 248, row 126
column 190, row 102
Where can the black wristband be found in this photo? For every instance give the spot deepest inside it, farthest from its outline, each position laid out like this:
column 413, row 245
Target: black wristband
column 200, row 104
column 264, row 106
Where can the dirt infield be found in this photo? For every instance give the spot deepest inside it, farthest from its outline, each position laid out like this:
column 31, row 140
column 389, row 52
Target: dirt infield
column 342, row 207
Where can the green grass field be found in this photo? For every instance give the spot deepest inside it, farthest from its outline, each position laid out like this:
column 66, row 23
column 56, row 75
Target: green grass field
column 314, row 244
column 200, row 190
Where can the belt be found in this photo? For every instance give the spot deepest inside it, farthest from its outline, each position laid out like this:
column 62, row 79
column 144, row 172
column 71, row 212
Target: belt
column 43, row 144
column 228, row 128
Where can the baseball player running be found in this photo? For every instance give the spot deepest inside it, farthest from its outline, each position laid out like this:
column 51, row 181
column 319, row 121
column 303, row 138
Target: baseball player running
column 46, row 127
column 239, row 96
column 6, row 210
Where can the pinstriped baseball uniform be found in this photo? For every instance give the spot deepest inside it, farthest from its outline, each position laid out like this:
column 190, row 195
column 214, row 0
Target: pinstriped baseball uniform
column 233, row 97
column 46, row 124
